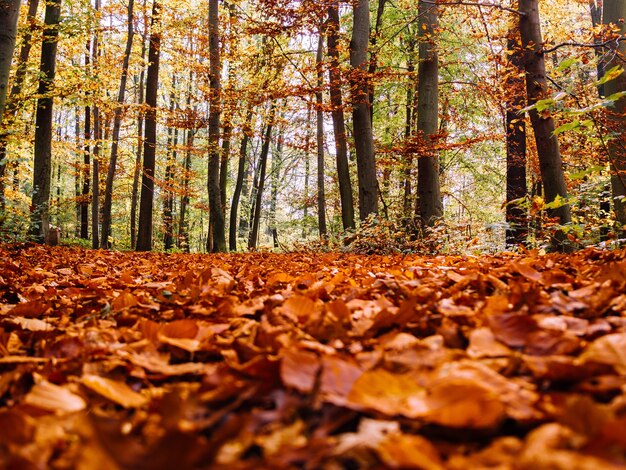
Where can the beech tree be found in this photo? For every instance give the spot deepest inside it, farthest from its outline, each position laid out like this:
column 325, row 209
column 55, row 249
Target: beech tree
column 9, row 13
column 117, row 122
column 361, row 117
column 144, row 233
column 339, row 125
column 429, row 205
column 42, row 166
column 550, row 162
column 615, row 15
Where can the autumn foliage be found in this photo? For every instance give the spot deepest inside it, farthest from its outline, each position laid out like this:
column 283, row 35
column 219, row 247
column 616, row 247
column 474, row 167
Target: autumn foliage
column 155, row 361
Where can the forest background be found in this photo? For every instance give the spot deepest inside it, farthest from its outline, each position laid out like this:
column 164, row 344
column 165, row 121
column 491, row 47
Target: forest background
column 206, row 126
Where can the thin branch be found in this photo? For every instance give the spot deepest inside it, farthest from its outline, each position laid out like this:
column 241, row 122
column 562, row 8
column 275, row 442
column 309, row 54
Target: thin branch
column 598, row 45
column 476, row 4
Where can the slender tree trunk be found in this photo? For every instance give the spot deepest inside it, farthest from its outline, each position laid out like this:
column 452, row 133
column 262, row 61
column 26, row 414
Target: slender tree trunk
column 595, row 7
column 216, row 216
column 117, row 123
column 79, row 169
column 40, row 221
column 9, row 13
column 183, row 223
column 146, row 203
column 241, row 173
column 224, row 157
column 429, row 205
column 363, row 134
column 138, row 167
column 516, row 216
column 373, row 65
column 615, row 13
column 407, row 209
column 321, row 195
column 168, row 197
column 256, row 219
column 550, row 163
column 95, row 193
column 275, row 173
column 339, row 127
column 10, row 108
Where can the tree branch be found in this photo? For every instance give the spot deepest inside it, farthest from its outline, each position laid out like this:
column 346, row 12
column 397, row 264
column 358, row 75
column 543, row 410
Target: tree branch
column 476, row 4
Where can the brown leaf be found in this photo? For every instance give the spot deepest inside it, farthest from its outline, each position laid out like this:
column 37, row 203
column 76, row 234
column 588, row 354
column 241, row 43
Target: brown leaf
column 54, row 398
column 117, row 392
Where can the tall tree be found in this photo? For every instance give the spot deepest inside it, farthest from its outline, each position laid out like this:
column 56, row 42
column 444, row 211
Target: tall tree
column 97, row 138
column 139, row 87
column 12, row 103
column 321, row 194
column 550, row 162
column 256, row 216
column 117, row 123
column 9, row 13
column 515, row 143
column 429, row 205
column 216, row 215
column 615, row 14
column 146, row 203
column 241, row 173
column 595, row 9
column 339, row 126
column 40, row 222
column 361, row 119
column 84, row 204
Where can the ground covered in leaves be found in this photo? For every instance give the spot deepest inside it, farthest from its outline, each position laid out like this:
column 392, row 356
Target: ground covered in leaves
column 153, row 361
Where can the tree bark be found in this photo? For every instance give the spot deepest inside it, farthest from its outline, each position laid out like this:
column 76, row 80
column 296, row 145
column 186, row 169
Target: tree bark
column 321, row 194
column 595, row 9
column 146, row 203
column 241, row 173
column 429, row 205
column 256, row 219
column 216, row 216
column 339, row 126
column 363, row 134
column 11, row 105
column 97, row 135
column 9, row 14
column 40, row 222
column 615, row 13
column 550, row 163
column 117, row 122
column 516, row 216
column 84, row 207
column 138, row 154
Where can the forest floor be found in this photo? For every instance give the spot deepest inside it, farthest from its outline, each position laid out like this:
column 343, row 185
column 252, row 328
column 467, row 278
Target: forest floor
column 322, row 361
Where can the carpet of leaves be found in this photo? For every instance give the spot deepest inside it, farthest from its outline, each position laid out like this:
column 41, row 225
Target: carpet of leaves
column 125, row 360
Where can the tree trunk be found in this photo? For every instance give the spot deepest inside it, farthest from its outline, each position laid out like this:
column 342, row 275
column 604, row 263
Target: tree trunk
column 595, row 7
column 550, row 163
column 97, row 137
column 9, row 13
column 95, row 193
column 146, row 203
column 79, row 171
column 516, row 216
column 137, row 170
column 373, row 65
column 615, row 13
column 339, row 127
column 117, row 122
column 277, row 158
column 241, row 173
column 183, row 223
column 84, row 207
column 256, row 219
column 40, row 222
column 168, row 193
column 11, row 105
column 363, row 134
column 429, row 205
column 407, row 204
column 321, row 195
column 216, row 216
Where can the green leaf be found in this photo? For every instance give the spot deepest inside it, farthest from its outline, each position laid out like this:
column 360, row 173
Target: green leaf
column 567, row 127
column 567, row 63
column 609, row 75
